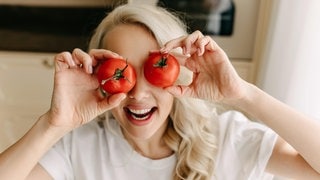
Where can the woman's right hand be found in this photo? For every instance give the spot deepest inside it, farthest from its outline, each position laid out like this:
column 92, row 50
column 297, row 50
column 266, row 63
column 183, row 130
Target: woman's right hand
column 76, row 96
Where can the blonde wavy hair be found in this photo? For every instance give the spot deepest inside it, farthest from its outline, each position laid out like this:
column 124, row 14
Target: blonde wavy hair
column 191, row 132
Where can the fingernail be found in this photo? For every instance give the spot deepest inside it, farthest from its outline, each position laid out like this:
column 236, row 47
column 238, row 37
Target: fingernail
column 199, row 52
column 73, row 64
column 90, row 70
column 122, row 97
column 184, row 49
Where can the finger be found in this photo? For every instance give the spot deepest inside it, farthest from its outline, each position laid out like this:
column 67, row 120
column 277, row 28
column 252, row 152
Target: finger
column 185, row 42
column 63, row 60
column 179, row 90
column 83, row 59
column 155, row 51
column 204, row 43
column 172, row 44
column 190, row 46
column 102, row 54
column 111, row 101
column 182, row 58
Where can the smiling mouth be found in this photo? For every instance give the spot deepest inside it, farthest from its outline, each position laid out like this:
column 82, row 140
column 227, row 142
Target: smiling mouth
column 141, row 114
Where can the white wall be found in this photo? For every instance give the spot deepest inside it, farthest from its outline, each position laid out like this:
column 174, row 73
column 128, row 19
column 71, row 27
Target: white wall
column 290, row 68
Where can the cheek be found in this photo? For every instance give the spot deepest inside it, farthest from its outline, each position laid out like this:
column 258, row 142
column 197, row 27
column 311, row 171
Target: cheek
column 165, row 101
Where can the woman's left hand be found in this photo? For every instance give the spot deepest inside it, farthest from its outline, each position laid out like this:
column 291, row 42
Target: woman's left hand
column 214, row 78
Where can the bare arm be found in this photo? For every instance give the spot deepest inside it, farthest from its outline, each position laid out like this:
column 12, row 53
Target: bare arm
column 18, row 160
column 300, row 131
column 285, row 161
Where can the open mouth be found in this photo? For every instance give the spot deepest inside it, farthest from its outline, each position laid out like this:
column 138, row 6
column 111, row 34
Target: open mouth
column 140, row 114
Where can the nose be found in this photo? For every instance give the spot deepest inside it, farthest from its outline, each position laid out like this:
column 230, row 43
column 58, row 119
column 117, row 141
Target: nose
column 141, row 90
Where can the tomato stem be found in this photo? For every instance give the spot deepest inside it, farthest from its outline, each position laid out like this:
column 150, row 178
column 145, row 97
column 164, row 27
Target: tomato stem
column 162, row 62
column 118, row 74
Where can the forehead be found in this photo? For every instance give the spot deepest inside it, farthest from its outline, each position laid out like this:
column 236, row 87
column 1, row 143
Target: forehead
column 130, row 41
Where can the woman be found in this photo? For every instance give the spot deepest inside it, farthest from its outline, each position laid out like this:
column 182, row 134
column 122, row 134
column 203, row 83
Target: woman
column 180, row 135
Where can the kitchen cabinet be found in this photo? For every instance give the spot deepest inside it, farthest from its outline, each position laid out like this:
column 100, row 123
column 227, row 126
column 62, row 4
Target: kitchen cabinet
column 26, row 81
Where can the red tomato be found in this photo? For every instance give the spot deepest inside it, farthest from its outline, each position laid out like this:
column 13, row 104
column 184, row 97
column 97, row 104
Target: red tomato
column 116, row 76
column 161, row 70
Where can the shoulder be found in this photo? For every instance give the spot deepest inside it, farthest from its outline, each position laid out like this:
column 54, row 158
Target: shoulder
column 244, row 145
column 235, row 122
column 237, row 129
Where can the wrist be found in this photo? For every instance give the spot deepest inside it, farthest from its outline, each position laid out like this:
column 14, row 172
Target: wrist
column 50, row 129
column 248, row 99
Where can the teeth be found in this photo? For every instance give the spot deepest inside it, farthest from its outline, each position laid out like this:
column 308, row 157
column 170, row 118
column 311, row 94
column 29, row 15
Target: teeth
column 139, row 118
column 140, row 114
column 140, row 111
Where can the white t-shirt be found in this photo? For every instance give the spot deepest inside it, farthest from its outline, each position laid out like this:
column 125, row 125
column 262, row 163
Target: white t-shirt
column 92, row 153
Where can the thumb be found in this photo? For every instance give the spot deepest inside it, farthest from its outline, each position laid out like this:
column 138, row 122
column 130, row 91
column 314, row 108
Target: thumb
column 111, row 101
column 178, row 90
